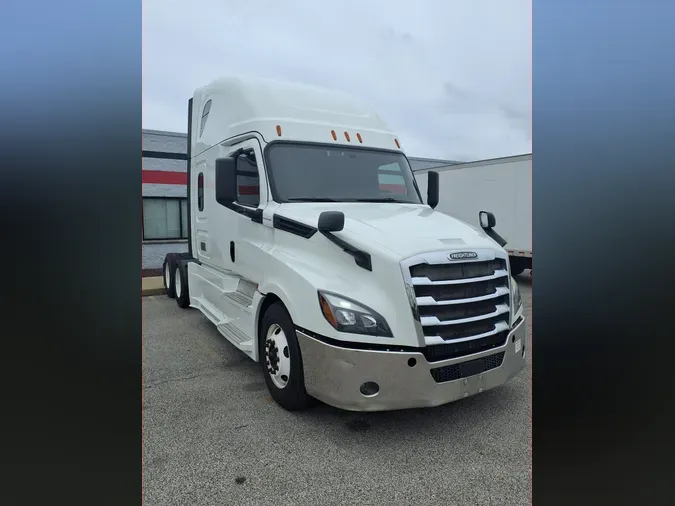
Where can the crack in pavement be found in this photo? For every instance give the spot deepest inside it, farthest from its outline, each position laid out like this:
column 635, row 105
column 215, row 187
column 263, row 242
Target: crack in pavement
column 183, row 378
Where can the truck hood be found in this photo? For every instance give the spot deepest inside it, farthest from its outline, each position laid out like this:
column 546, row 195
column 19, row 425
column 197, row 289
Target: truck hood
column 405, row 229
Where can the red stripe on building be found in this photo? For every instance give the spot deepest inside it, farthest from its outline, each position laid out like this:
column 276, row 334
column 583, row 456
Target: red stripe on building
column 164, row 177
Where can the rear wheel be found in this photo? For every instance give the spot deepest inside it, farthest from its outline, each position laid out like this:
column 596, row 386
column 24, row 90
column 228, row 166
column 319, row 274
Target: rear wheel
column 168, row 274
column 281, row 360
column 181, row 282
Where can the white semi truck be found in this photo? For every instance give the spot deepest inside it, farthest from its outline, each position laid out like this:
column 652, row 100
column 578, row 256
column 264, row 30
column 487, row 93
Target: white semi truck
column 503, row 185
column 311, row 250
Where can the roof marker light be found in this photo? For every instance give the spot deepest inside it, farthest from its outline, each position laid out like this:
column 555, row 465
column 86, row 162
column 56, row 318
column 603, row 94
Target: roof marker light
column 347, row 137
column 334, row 135
column 358, row 136
column 279, row 130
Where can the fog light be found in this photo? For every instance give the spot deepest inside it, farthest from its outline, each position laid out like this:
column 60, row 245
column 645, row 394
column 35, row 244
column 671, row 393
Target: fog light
column 369, row 388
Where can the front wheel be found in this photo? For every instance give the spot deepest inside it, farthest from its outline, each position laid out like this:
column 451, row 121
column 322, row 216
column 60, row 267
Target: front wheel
column 281, row 360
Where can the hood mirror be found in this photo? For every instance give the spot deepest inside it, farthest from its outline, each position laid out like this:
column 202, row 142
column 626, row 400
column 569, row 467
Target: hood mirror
column 331, row 221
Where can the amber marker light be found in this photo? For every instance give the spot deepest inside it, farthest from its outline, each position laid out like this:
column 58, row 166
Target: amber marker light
column 327, row 312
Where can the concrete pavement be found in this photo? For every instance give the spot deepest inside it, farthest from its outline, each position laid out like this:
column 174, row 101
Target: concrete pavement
column 213, row 435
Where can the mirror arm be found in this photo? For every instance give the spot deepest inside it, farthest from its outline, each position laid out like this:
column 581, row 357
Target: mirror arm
column 495, row 237
column 361, row 258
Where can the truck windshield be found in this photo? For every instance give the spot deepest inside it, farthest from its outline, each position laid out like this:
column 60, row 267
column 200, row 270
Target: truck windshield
column 313, row 173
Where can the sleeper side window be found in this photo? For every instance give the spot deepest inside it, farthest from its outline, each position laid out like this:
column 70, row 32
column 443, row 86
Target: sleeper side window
column 205, row 115
column 248, row 181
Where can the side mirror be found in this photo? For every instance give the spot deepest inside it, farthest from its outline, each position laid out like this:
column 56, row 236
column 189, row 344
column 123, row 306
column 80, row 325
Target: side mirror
column 487, row 220
column 487, row 223
column 226, row 180
column 331, row 221
column 432, row 189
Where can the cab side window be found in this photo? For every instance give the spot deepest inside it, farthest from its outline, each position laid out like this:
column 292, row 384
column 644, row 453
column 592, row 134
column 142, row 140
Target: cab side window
column 248, row 181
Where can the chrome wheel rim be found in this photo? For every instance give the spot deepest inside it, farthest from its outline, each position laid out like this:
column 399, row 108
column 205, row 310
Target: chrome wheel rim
column 179, row 286
column 277, row 356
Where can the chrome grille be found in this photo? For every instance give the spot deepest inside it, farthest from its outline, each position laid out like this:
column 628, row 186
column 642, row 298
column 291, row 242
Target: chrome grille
column 443, row 293
column 456, row 271
column 460, row 301
column 449, row 312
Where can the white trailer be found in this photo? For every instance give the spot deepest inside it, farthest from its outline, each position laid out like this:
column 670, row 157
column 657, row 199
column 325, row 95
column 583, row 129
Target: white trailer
column 312, row 252
column 500, row 185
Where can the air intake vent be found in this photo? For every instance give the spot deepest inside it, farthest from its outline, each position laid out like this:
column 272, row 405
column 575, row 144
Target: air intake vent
column 468, row 368
column 293, row 227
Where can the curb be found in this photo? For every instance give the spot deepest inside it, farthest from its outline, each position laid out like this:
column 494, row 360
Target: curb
column 153, row 285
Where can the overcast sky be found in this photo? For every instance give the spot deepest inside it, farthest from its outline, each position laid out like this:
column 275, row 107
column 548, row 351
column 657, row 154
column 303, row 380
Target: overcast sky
column 451, row 77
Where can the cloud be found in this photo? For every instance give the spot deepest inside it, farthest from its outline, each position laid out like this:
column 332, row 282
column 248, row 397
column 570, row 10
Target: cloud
column 451, row 77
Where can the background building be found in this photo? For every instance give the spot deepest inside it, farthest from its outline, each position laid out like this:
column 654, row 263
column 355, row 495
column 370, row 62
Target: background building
column 165, row 222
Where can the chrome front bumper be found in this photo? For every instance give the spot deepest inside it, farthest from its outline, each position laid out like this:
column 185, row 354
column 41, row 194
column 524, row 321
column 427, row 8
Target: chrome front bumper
column 334, row 375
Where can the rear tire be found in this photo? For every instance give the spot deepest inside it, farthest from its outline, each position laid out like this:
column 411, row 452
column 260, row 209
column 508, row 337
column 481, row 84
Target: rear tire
column 281, row 359
column 168, row 275
column 181, row 282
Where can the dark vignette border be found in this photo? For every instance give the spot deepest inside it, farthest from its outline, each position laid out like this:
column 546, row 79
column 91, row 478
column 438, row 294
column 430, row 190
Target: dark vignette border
column 70, row 211
column 603, row 198
column 603, row 185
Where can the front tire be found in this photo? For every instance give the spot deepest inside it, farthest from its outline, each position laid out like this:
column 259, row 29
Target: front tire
column 281, row 359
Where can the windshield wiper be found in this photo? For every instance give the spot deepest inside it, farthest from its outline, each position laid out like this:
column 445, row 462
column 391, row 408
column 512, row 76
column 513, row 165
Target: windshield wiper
column 311, row 199
column 328, row 199
column 382, row 199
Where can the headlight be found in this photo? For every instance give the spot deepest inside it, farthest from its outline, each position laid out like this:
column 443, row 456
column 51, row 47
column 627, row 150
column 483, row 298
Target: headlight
column 346, row 315
column 515, row 293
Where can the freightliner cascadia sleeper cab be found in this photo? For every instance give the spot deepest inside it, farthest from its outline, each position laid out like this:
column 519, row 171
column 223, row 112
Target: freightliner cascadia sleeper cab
column 311, row 250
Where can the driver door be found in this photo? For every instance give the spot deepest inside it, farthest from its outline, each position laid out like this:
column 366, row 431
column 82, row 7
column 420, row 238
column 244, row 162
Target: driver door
column 245, row 248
